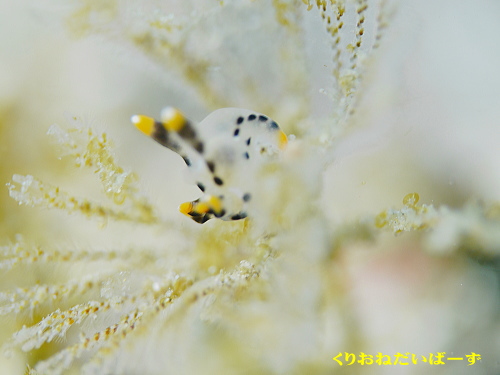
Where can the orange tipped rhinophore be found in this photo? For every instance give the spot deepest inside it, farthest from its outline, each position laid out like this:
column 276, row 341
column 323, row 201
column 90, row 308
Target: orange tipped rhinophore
column 144, row 123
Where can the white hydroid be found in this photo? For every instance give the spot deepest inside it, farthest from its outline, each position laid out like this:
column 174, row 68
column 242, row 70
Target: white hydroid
column 104, row 276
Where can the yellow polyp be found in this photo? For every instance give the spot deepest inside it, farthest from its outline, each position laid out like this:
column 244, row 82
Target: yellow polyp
column 173, row 119
column 186, row 208
column 144, row 123
column 381, row 220
column 282, row 140
column 411, row 199
column 119, row 198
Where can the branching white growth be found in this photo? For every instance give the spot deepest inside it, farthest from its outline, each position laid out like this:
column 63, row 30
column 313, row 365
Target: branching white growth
column 473, row 228
column 94, row 151
column 382, row 22
column 360, row 10
column 32, row 298
column 169, row 307
column 23, row 253
column 29, row 191
column 56, row 324
column 335, row 24
column 410, row 217
column 354, row 28
column 131, row 307
column 270, row 278
column 88, row 150
column 62, row 360
column 106, row 341
column 177, row 40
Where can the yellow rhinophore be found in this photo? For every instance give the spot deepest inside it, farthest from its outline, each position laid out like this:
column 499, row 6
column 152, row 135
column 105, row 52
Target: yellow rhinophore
column 144, row 123
column 173, row 120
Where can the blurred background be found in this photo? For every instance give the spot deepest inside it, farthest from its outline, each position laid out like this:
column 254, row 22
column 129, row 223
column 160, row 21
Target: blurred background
column 427, row 121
